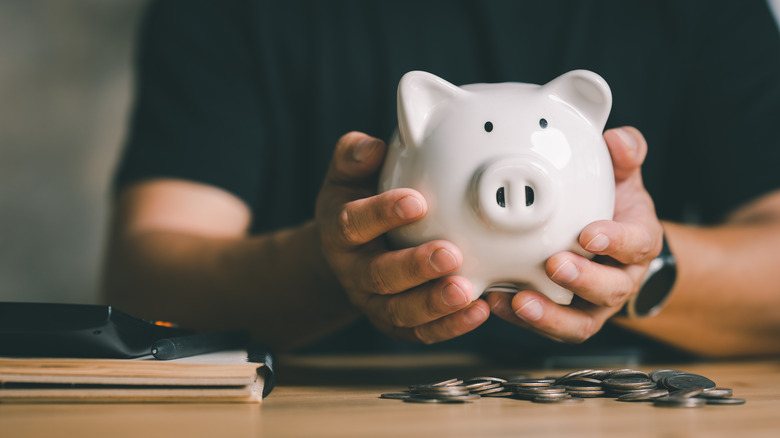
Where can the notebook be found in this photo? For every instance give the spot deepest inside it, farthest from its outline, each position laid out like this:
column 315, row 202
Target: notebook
column 228, row 376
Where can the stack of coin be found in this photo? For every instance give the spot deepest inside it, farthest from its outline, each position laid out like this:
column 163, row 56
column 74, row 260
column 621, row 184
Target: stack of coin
column 665, row 388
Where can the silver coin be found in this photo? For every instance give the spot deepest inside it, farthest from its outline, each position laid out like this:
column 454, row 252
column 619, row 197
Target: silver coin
column 439, row 389
column 466, row 397
column 716, row 393
column 725, row 401
column 626, row 373
column 582, row 382
column 476, row 386
column 443, row 394
column 553, row 395
column 445, row 382
column 488, row 391
column 396, row 395
column 677, row 402
column 657, row 375
column 587, row 393
column 647, row 395
column 487, row 379
column 625, row 385
column 687, row 381
column 503, row 393
column 574, row 374
column 529, row 382
column 419, row 399
column 490, row 386
column 686, row 393
column 583, row 388
column 540, row 389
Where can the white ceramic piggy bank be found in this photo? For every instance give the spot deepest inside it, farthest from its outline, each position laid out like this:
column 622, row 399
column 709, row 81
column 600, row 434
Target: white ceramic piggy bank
column 511, row 172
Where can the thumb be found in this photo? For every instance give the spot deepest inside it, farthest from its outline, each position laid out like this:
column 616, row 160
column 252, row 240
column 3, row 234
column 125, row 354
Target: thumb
column 356, row 157
column 628, row 149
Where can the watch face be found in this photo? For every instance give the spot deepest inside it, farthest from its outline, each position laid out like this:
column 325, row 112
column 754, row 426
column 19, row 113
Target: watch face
column 655, row 291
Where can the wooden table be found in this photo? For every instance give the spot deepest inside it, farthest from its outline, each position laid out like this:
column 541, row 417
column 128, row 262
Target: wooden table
column 339, row 397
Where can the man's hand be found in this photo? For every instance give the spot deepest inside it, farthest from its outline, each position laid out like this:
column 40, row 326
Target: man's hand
column 404, row 293
column 624, row 246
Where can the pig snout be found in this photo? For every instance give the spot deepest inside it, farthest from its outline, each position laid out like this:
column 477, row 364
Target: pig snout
column 513, row 193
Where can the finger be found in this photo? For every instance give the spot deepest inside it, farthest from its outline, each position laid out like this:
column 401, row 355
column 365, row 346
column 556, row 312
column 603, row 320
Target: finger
column 573, row 324
column 363, row 220
column 628, row 149
column 422, row 304
column 396, row 271
column 625, row 242
column 451, row 326
column 598, row 284
column 501, row 305
column 355, row 157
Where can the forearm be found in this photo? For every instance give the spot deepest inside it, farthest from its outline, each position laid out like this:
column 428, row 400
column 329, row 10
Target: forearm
column 726, row 301
column 277, row 285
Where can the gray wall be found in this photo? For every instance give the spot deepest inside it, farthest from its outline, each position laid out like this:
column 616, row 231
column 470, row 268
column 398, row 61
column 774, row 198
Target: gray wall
column 65, row 81
column 65, row 86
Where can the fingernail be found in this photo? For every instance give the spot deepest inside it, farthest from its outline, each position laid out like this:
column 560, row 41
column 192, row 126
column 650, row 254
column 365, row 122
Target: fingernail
column 475, row 315
column 627, row 137
column 443, row 261
column 408, row 207
column 566, row 273
column 453, row 296
column 531, row 311
column 598, row 243
column 364, row 149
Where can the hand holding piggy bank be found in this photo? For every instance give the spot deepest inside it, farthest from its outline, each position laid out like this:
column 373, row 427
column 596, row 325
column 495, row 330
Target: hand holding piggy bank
column 512, row 172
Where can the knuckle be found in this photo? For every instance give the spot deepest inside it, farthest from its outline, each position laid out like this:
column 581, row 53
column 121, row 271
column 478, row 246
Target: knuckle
column 349, row 228
column 420, row 335
column 430, row 309
column 395, row 315
column 616, row 298
column 646, row 250
column 586, row 331
column 378, row 281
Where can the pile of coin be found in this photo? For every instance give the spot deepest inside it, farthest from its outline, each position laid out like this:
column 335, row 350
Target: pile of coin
column 665, row 388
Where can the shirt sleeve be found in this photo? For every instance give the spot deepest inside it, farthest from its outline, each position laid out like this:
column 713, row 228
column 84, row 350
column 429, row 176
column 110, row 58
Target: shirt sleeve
column 732, row 116
column 195, row 116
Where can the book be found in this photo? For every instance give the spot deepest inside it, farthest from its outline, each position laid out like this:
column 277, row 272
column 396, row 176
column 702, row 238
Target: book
column 227, row 376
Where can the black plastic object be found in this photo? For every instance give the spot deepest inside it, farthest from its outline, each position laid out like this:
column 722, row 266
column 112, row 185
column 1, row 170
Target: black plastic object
column 77, row 330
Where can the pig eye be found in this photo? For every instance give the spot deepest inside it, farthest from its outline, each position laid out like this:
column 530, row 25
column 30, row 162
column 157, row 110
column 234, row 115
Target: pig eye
column 543, row 123
column 488, row 126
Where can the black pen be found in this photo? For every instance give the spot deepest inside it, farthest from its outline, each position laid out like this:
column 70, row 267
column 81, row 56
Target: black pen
column 184, row 346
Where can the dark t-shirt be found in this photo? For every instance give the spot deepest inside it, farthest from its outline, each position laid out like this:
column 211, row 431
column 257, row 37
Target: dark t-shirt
column 252, row 96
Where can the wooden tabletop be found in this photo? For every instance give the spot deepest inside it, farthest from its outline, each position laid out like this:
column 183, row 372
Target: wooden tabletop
column 339, row 397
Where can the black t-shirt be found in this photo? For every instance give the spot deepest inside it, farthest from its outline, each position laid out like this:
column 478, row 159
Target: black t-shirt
column 251, row 96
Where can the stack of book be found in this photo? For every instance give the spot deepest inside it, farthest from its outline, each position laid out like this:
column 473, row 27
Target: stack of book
column 227, row 376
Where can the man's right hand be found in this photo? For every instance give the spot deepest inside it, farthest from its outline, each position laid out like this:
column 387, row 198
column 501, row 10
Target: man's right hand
column 405, row 292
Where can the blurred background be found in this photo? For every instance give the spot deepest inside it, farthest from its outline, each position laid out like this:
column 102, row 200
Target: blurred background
column 65, row 92
column 65, row 95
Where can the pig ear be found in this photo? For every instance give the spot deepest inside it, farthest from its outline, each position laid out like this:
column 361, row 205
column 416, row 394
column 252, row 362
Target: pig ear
column 586, row 92
column 420, row 95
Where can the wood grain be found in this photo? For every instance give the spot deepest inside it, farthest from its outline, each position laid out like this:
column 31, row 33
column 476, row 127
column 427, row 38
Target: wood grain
column 320, row 408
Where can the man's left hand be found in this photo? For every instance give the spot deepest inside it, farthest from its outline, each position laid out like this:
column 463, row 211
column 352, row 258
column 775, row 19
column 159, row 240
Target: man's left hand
column 624, row 248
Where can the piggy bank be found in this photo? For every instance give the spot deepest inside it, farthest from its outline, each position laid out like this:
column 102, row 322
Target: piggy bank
column 512, row 172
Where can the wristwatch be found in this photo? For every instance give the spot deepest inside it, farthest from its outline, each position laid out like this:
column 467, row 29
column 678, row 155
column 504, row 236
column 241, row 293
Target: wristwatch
column 656, row 287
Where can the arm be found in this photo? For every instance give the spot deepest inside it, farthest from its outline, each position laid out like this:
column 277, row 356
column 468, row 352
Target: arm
column 180, row 251
column 726, row 299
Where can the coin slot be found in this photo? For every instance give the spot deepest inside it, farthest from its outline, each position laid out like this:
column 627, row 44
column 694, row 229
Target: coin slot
column 500, row 199
column 529, row 196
